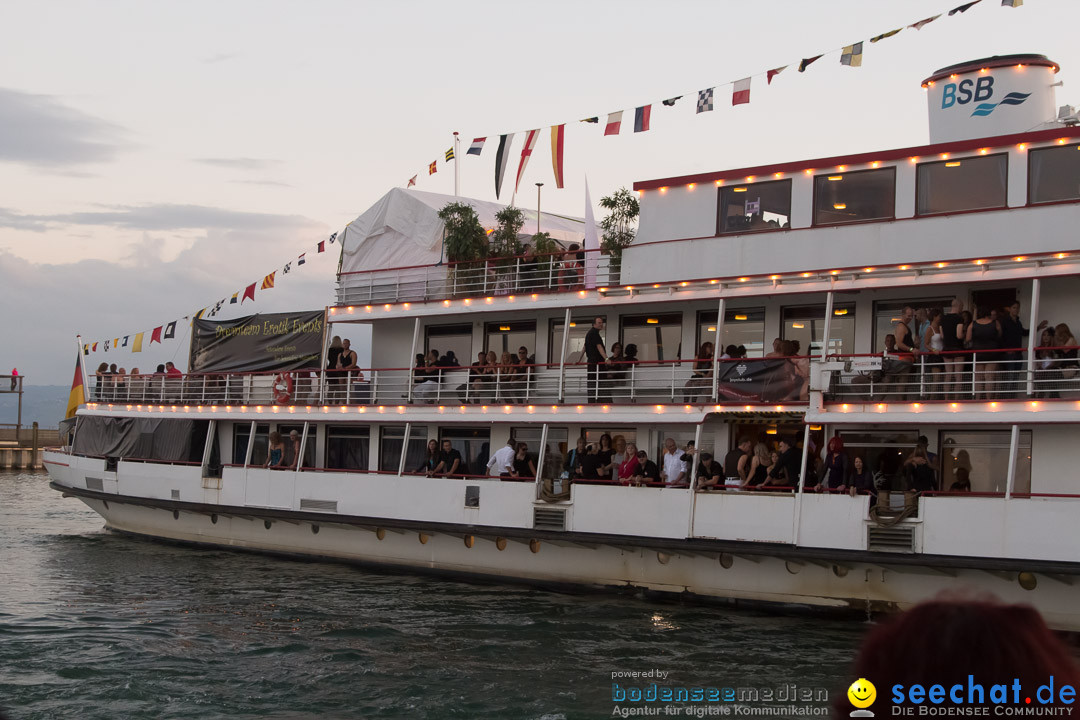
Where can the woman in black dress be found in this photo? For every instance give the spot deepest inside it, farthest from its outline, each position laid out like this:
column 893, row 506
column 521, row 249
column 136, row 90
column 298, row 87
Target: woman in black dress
column 523, row 466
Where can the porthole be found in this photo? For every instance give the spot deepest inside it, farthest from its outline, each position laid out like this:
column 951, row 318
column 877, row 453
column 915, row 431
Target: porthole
column 839, row 571
column 662, row 557
column 314, row 529
column 213, row 519
column 500, row 543
column 175, row 514
column 727, row 560
column 1027, row 580
column 266, row 524
column 534, row 545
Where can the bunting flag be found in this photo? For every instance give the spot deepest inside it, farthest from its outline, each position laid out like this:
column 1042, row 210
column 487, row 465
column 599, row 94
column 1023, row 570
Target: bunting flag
column 232, row 300
column 705, row 100
column 1012, row 3
column 86, row 348
column 249, row 292
column 593, row 120
column 740, row 94
column 332, row 238
column 285, row 270
column 155, row 336
column 773, row 73
column 882, row 36
column 557, row 133
column 449, row 154
column 116, row 342
column 136, row 344
column 94, row 349
column 924, row 22
column 614, row 123
column 77, row 396
column 124, row 344
column 321, row 247
column 477, row 146
column 217, row 308
column 670, row 102
column 431, row 168
column 412, row 181
column 105, row 346
column 852, row 55
column 526, row 153
column 641, row 118
column 299, row 261
column 501, row 156
column 170, row 330
column 964, row 8
column 268, row 281
column 200, row 313
column 807, row 61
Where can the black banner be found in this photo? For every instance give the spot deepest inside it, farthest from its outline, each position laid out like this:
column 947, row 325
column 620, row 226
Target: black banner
column 766, row 379
column 264, row 342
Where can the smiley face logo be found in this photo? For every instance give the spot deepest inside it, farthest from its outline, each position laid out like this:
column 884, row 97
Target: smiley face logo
column 862, row 693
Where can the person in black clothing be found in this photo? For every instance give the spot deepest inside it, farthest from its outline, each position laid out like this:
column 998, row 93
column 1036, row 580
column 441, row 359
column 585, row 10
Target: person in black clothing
column 919, row 472
column 332, row 355
column 709, row 473
column 589, row 467
column 952, row 324
column 786, row 470
column 862, row 480
column 477, row 381
column 595, row 354
column 450, row 463
column 736, row 463
column 523, row 466
column 1013, row 333
column 647, row 473
column 572, row 463
column 432, row 460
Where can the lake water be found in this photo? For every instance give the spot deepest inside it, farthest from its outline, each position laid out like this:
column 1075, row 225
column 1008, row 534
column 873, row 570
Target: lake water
column 98, row 625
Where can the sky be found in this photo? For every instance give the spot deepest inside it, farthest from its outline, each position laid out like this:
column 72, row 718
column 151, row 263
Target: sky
column 156, row 157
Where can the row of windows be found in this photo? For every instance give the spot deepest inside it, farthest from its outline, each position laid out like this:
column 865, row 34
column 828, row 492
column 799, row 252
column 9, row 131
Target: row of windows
column 659, row 336
column 946, row 186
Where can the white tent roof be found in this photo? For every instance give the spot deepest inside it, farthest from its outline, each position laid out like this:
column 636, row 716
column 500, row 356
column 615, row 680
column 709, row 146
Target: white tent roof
column 403, row 229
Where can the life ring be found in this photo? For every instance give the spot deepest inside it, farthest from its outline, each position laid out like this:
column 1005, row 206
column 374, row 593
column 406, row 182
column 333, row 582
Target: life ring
column 282, row 388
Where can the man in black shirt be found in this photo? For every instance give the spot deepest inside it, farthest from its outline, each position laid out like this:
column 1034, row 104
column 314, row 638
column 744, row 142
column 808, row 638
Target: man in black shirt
column 449, row 461
column 709, row 473
column 595, row 353
column 590, row 464
column 787, row 467
column 647, row 472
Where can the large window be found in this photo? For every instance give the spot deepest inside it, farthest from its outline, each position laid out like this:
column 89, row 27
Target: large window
column 450, row 338
column 575, row 344
column 984, row 455
column 658, row 337
column 1054, row 174
column 855, row 197
column 509, row 336
column 241, row 435
column 755, row 207
column 889, row 312
column 391, row 439
column 882, row 451
column 972, row 183
column 474, row 444
column 807, row 326
column 555, row 452
column 347, row 447
column 309, row 447
column 745, row 327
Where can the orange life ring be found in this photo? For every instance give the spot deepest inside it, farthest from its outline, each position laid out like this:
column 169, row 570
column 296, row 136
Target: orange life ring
column 282, row 388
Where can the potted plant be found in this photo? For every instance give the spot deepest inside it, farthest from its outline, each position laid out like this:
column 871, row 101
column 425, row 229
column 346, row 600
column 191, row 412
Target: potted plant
column 619, row 228
column 465, row 243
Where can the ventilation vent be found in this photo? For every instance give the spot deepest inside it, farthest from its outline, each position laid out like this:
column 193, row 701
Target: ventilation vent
column 327, row 505
column 549, row 519
column 94, row 484
column 898, row 538
column 175, row 494
column 472, row 496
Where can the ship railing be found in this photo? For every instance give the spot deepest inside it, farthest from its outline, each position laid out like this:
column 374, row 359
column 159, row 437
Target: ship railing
column 741, row 380
column 562, row 271
column 1000, row 374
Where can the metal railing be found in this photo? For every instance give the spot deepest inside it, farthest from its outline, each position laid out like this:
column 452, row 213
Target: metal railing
column 961, row 375
column 757, row 380
column 563, row 271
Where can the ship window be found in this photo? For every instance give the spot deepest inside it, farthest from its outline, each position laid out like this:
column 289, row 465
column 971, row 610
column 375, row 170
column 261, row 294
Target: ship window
column 392, row 437
column 888, row 312
column 509, row 336
column 658, row 337
column 745, row 326
column 447, row 338
column 575, row 344
column 309, row 447
column 1054, row 174
column 882, row 451
column 556, row 447
column 984, row 454
column 846, row 197
column 755, row 207
column 347, row 447
column 807, row 326
column 970, row 183
column 241, row 433
column 473, row 444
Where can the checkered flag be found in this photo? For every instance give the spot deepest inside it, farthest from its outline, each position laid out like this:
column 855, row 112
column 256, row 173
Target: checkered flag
column 217, row 308
column 705, row 100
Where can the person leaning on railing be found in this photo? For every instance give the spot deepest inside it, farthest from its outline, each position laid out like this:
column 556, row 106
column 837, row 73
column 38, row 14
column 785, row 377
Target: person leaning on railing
column 698, row 386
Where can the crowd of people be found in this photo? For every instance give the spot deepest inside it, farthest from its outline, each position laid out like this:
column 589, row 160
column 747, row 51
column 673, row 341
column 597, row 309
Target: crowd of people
column 113, row 384
column 563, row 271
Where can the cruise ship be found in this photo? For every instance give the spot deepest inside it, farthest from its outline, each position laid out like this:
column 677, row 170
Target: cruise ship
column 813, row 279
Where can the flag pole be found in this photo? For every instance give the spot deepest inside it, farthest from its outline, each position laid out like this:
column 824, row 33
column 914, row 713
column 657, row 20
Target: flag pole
column 457, row 164
column 82, row 364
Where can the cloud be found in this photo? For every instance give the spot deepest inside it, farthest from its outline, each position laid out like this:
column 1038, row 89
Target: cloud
column 252, row 164
column 14, row 221
column 42, row 132
column 161, row 217
column 220, row 58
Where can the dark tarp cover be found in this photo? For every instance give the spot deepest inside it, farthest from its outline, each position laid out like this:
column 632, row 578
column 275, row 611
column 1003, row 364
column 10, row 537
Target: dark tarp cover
column 767, row 379
column 144, row 438
column 257, row 343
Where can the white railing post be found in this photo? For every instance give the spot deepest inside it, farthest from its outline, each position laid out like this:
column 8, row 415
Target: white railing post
column 922, row 375
column 694, row 461
column 1033, row 333
column 540, row 459
column 303, row 447
column 673, row 380
column 801, row 483
column 412, row 356
column 1010, row 475
column 404, row 449
column 498, row 379
column 828, row 327
column 633, row 385
column 322, row 386
column 250, row 445
column 372, row 400
column 348, row 387
column 562, row 355
column 974, row 373
column 718, row 338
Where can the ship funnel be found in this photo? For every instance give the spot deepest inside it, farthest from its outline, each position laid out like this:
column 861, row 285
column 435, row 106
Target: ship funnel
column 1000, row 95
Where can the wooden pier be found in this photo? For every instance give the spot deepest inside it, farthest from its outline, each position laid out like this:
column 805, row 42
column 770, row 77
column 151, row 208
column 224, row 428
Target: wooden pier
column 20, row 447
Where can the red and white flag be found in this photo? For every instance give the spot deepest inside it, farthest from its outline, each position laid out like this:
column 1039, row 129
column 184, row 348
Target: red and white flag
column 526, row 153
column 476, row 147
column 773, row 73
column 741, row 93
column 614, row 123
column 412, row 181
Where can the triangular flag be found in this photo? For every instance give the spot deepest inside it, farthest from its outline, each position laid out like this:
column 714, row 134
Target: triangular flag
column 116, row 342
column 557, row 133
column 641, row 118
column 614, row 123
column 773, row 73
column 740, row 94
column 964, row 8
column 299, row 261
column 882, row 36
column 852, row 55
column 526, row 153
column 199, row 314
column 705, row 100
column 249, row 292
column 268, row 281
column 77, row 396
column 431, row 168
column 924, row 22
column 412, row 181
column 94, row 349
column 155, row 336
column 477, row 146
column 670, row 102
column 501, row 156
column 170, row 330
column 322, row 246
column 806, row 63
column 136, row 345
column 593, row 120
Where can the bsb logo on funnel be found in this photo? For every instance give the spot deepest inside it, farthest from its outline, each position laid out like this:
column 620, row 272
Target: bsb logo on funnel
column 862, row 694
column 978, row 91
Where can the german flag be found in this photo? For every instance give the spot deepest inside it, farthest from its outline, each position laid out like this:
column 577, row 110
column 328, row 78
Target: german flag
column 78, row 392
